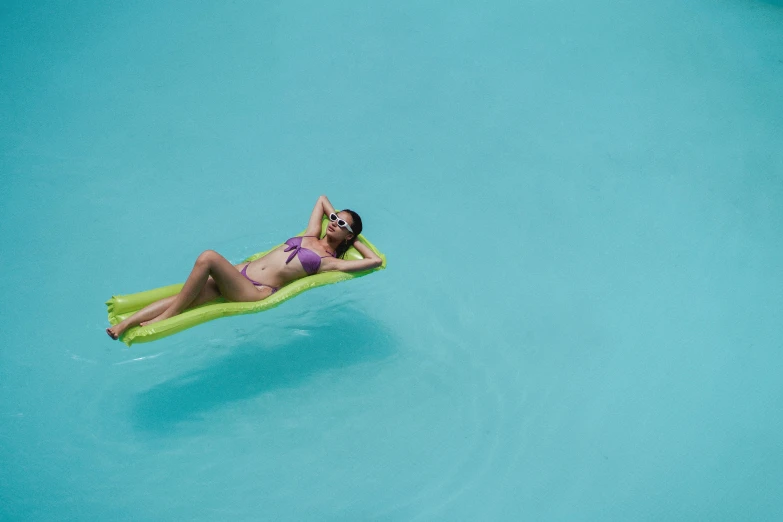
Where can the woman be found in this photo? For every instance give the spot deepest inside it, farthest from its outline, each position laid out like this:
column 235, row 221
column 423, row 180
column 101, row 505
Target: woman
column 213, row 275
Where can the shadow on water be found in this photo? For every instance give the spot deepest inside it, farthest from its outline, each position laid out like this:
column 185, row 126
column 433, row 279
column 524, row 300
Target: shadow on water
column 253, row 368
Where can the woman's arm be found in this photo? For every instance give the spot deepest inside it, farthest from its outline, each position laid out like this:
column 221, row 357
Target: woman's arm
column 365, row 251
column 322, row 207
column 371, row 260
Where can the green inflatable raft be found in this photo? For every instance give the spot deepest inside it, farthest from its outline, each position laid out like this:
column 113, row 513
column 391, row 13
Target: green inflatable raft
column 122, row 306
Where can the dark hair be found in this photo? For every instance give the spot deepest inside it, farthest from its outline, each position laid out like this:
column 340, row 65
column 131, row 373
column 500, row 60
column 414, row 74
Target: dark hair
column 356, row 225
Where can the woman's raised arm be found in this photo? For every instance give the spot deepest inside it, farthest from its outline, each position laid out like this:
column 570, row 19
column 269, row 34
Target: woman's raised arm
column 322, row 207
column 371, row 260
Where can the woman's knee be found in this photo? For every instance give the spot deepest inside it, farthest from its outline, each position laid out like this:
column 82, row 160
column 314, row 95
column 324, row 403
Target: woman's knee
column 207, row 257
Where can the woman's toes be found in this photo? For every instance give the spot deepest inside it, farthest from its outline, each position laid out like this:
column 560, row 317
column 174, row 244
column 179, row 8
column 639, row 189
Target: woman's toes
column 111, row 334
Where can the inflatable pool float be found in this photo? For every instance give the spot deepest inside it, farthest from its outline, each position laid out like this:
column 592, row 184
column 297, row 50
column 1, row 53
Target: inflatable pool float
column 122, row 306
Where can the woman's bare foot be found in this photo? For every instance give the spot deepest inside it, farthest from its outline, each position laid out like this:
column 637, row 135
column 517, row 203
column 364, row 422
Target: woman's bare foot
column 116, row 331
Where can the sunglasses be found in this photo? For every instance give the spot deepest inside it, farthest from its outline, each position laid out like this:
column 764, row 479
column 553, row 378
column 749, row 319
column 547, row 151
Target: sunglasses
column 340, row 222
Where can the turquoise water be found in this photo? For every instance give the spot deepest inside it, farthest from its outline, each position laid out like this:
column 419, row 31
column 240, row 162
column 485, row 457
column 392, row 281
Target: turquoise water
column 581, row 204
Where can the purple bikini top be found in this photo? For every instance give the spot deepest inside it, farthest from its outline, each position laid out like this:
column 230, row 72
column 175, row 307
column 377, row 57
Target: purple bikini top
column 311, row 261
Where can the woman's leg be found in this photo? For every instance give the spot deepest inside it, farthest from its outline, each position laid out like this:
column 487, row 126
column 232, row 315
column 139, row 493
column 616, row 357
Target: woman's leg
column 231, row 284
column 209, row 292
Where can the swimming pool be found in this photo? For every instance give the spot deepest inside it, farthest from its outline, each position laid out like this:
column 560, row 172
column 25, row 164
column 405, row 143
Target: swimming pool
column 592, row 332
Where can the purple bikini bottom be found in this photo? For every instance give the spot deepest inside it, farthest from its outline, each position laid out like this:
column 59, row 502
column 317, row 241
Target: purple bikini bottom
column 244, row 273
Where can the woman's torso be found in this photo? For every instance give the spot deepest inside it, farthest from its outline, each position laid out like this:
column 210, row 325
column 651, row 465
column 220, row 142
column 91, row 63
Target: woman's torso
column 273, row 268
